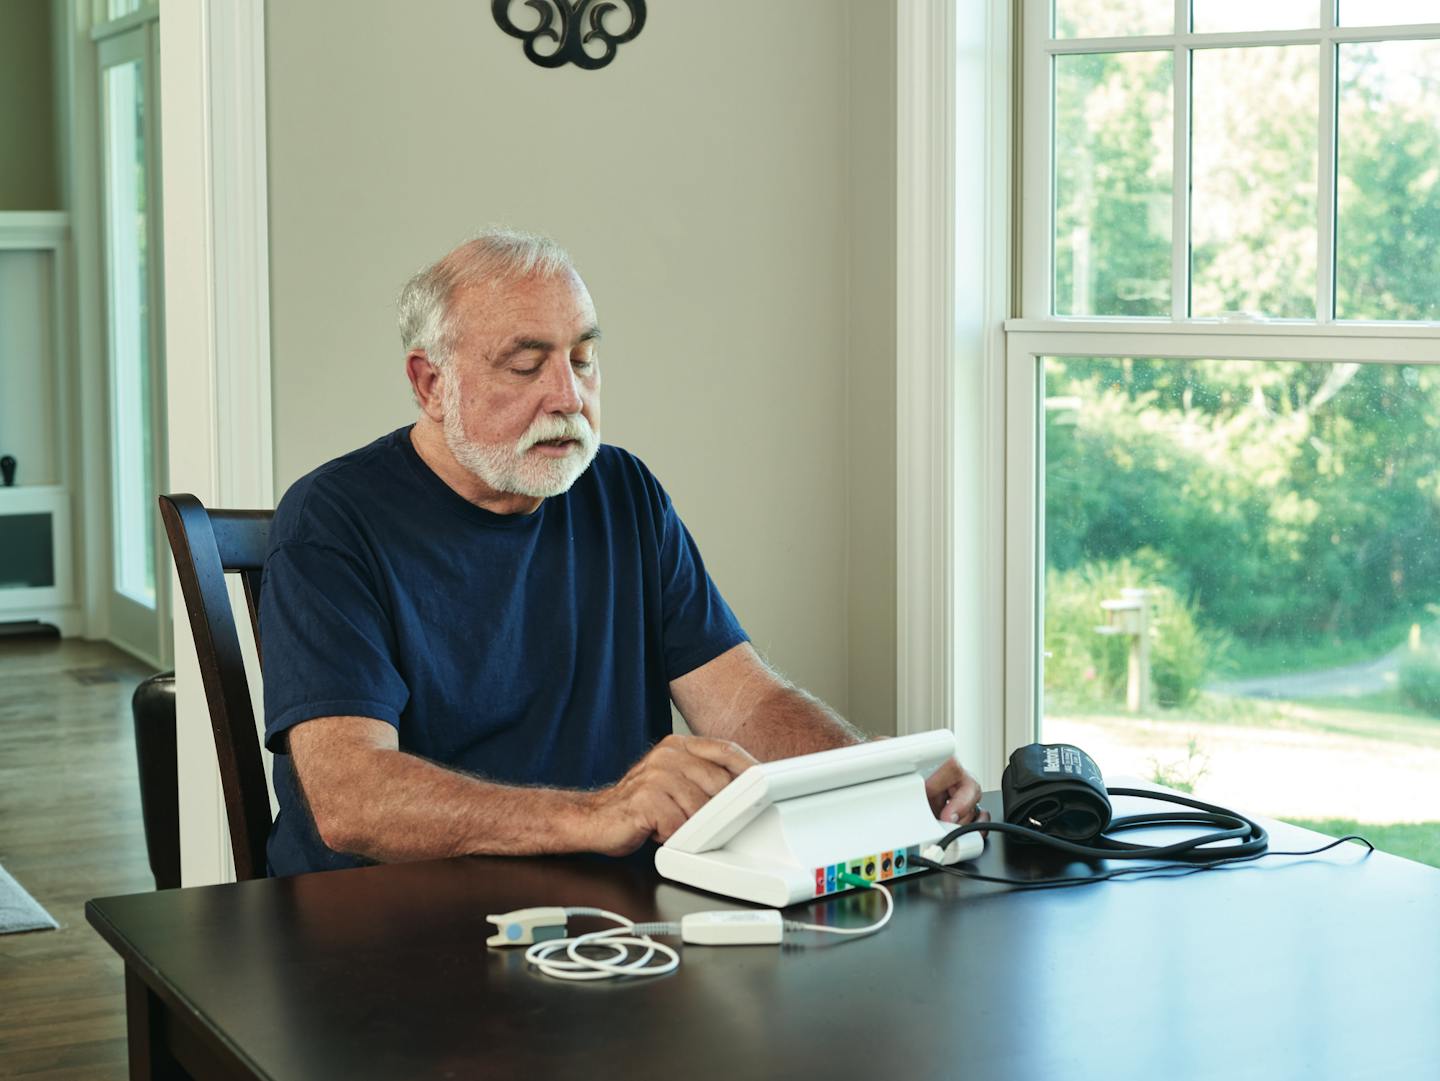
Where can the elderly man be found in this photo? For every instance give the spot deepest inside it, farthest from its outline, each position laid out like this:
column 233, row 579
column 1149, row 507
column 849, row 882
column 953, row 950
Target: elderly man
column 474, row 627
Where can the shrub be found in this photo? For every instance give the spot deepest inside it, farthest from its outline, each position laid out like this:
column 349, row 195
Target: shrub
column 1420, row 681
column 1090, row 667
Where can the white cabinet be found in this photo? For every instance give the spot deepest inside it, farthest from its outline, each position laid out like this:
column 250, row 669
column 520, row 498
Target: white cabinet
column 42, row 517
column 37, row 564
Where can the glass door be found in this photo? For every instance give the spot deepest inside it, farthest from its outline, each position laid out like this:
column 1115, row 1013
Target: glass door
column 134, row 344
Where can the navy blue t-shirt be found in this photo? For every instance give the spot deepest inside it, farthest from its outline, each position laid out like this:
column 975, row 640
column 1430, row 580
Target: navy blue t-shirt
column 526, row 648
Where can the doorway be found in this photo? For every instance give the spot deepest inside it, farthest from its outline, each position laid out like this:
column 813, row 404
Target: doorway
column 133, row 330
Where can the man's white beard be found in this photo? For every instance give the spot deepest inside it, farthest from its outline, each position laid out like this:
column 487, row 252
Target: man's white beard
column 509, row 467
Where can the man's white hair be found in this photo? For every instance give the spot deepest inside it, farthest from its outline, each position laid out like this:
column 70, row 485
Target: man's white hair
column 494, row 255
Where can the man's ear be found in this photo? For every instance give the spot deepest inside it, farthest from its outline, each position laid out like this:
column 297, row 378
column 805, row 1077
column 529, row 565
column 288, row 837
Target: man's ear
column 426, row 383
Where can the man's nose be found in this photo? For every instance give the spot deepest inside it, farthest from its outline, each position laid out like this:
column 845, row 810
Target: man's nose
column 562, row 389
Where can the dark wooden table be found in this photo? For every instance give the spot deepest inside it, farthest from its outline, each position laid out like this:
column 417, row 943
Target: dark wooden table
column 1326, row 967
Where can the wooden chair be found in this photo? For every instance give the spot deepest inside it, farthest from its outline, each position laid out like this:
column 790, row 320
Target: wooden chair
column 152, row 707
column 206, row 544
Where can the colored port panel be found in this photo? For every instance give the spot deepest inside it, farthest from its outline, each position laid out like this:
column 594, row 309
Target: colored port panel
column 887, row 865
column 830, row 877
column 819, row 881
column 872, row 867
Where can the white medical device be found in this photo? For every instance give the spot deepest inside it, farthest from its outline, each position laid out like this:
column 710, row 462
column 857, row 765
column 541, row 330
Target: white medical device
column 782, row 832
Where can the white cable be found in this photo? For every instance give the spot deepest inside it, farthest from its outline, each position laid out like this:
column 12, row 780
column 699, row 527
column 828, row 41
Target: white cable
column 628, row 936
column 620, row 940
column 792, row 925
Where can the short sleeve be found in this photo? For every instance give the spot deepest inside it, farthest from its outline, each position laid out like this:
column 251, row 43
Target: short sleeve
column 698, row 624
column 328, row 648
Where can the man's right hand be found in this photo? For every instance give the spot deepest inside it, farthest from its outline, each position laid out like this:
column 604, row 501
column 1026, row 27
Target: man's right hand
column 661, row 792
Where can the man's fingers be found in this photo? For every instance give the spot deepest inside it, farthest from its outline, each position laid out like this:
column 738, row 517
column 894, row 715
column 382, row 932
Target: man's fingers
column 942, row 783
column 686, row 794
column 954, row 794
column 669, row 816
column 704, row 774
column 730, row 756
column 963, row 805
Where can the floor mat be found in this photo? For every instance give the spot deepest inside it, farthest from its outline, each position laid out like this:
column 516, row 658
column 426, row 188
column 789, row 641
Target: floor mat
column 18, row 910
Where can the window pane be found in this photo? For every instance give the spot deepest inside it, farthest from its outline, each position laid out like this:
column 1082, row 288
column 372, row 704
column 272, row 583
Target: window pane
column 115, row 9
column 1253, row 181
column 1388, row 12
column 1283, row 521
column 1114, row 124
column 1229, row 16
column 127, row 306
column 1387, row 246
column 1113, row 18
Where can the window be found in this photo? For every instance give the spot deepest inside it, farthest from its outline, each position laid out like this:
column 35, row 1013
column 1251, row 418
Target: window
column 1224, row 403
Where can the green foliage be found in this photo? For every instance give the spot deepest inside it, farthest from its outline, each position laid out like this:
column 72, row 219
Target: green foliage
column 1113, row 118
column 1420, row 681
column 1388, row 238
column 1291, row 501
column 1253, row 222
column 1085, row 666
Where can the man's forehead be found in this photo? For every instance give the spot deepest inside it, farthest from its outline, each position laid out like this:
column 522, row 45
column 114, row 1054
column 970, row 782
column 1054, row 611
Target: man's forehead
column 549, row 298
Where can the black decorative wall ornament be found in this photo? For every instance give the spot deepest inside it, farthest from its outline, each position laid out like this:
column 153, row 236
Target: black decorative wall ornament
column 571, row 37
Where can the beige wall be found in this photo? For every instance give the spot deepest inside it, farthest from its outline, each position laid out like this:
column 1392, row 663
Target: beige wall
column 27, row 114
column 726, row 186
column 870, row 443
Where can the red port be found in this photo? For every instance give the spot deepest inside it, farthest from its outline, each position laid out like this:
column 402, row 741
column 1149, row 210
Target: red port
column 819, row 881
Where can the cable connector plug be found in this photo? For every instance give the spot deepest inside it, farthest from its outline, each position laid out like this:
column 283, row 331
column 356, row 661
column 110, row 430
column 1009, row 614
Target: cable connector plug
column 962, row 848
column 526, row 926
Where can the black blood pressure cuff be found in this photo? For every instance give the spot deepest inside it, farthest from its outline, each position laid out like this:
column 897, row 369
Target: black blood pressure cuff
column 1056, row 789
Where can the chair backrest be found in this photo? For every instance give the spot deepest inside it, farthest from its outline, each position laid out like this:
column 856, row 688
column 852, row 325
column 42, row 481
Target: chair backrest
column 206, row 544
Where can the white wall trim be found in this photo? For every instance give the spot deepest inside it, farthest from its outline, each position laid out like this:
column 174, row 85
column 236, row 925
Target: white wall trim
column 924, row 361
column 952, row 283
column 217, row 331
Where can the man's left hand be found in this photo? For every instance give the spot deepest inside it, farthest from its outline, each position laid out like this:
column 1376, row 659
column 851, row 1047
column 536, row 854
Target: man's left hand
column 954, row 794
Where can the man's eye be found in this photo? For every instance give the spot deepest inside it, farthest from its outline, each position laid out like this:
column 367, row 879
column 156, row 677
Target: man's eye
column 526, row 371
column 583, row 364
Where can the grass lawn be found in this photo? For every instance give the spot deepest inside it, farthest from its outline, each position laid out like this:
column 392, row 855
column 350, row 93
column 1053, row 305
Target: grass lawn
column 1337, row 765
column 1418, row 841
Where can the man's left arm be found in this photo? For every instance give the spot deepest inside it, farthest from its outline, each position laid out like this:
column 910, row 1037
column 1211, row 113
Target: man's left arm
column 737, row 696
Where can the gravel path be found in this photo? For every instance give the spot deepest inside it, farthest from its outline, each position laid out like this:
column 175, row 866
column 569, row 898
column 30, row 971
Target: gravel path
column 1347, row 681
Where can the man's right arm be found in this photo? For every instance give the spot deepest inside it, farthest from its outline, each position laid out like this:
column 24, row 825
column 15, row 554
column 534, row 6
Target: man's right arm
column 370, row 798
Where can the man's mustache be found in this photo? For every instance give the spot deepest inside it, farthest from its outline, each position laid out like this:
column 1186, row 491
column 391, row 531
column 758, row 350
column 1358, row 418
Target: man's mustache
column 552, row 428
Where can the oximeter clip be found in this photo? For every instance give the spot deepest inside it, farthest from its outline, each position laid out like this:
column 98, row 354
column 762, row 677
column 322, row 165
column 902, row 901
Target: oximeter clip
column 526, row 926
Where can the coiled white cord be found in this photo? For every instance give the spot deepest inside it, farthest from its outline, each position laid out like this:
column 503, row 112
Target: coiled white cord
column 562, row 957
column 620, row 940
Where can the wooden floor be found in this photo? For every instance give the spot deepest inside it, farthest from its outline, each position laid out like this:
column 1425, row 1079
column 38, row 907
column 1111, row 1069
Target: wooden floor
column 70, row 830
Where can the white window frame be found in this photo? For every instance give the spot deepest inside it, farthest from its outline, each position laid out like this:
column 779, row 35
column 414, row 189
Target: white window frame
column 953, row 242
column 217, row 334
column 1039, row 334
